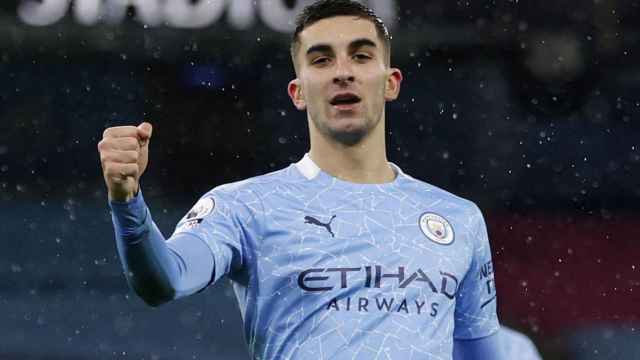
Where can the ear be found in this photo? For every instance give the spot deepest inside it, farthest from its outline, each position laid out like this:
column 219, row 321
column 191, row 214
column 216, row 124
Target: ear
column 295, row 93
column 392, row 88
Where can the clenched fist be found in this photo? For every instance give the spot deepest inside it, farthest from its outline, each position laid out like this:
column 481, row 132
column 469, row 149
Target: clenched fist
column 124, row 154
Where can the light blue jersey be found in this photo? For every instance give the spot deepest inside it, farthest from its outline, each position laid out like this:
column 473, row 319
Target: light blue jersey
column 327, row 269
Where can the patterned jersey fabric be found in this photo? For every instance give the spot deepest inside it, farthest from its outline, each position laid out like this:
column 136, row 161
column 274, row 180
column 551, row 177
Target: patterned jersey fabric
column 327, row 269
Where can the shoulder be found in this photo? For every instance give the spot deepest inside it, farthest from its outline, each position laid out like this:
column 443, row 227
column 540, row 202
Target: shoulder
column 251, row 188
column 434, row 194
column 240, row 199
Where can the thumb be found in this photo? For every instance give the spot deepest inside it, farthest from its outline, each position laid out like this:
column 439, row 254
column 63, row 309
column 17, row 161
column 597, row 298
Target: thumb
column 144, row 132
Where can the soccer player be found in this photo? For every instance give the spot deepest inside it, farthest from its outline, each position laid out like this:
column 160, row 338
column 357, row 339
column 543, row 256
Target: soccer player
column 341, row 255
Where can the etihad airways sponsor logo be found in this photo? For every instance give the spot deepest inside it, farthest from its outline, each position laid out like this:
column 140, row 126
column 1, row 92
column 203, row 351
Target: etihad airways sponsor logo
column 320, row 280
column 327, row 279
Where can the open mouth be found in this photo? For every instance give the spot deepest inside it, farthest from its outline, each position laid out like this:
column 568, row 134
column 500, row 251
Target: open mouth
column 345, row 99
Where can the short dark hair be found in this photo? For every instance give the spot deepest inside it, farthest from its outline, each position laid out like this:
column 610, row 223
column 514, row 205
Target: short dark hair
column 324, row 9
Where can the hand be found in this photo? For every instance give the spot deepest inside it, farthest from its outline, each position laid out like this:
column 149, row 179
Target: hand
column 124, row 154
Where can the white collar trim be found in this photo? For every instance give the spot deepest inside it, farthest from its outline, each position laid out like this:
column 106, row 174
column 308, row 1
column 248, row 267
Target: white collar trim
column 307, row 167
column 310, row 170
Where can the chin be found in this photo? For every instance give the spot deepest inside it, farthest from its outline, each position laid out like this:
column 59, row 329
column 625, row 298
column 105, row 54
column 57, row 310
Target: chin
column 348, row 135
column 346, row 130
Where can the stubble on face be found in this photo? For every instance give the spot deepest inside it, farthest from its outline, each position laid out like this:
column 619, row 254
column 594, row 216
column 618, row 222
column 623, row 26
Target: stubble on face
column 346, row 136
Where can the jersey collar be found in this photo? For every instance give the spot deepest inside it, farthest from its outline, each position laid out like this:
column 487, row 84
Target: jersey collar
column 310, row 170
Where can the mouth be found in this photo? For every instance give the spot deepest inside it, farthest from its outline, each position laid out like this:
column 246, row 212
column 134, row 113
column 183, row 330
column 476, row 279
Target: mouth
column 345, row 101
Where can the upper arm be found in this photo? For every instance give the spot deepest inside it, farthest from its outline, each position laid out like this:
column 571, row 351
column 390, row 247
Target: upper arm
column 475, row 313
column 193, row 263
column 225, row 224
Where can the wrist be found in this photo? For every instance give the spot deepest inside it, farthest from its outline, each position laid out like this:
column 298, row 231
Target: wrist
column 122, row 197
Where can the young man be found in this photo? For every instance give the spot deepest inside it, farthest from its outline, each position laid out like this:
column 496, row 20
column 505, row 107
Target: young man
column 339, row 256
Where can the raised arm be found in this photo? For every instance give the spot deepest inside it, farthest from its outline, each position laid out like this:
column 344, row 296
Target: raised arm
column 158, row 270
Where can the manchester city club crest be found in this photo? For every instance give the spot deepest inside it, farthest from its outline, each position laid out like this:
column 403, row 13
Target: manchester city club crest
column 436, row 228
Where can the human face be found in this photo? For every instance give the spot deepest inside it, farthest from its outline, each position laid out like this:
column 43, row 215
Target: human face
column 343, row 78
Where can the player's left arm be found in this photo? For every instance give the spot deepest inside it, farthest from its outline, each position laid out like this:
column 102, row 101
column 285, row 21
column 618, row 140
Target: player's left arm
column 476, row 319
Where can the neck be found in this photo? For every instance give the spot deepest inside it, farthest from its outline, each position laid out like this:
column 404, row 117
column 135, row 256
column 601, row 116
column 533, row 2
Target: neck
column 365, row 162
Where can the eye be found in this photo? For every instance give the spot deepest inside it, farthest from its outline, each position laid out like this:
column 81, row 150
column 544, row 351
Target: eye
column 320, row 61
column 362, row 57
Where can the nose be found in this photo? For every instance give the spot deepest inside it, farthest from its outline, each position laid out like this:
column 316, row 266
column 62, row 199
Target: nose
column 343, row 73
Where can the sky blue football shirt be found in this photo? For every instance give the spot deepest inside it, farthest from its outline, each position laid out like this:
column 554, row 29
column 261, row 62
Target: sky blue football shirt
column 327, row 269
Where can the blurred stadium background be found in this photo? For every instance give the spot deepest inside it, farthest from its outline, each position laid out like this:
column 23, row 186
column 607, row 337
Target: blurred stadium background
column 531, row 109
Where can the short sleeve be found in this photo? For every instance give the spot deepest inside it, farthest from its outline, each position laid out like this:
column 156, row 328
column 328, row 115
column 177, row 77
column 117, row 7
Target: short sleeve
column 475, row 313
column 224, row 221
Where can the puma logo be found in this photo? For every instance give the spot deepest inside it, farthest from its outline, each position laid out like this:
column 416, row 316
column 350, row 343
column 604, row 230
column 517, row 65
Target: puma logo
column 314, row 221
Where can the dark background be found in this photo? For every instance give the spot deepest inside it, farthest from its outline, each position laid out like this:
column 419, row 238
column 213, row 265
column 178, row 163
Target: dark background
column 531, row 110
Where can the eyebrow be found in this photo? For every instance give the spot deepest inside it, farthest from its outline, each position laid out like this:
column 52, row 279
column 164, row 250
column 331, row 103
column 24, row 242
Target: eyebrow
column 355, row 44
